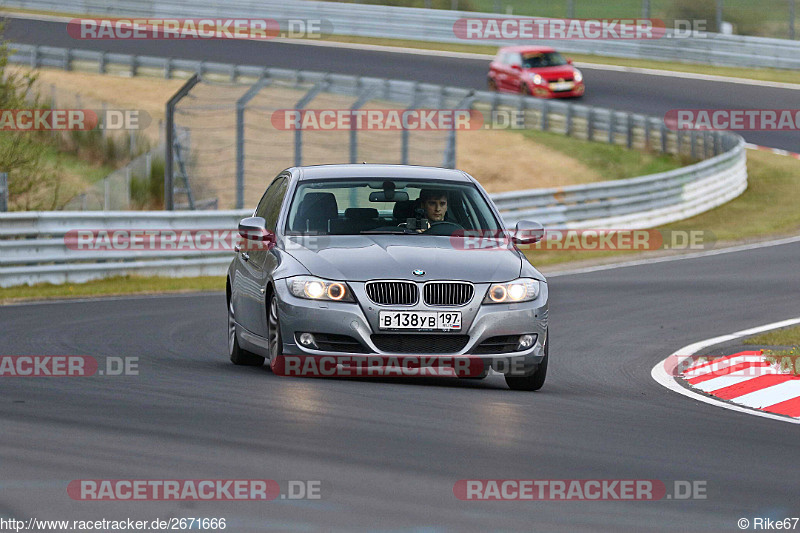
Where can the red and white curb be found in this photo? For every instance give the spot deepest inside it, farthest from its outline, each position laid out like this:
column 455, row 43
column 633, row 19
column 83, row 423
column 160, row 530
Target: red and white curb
column 742, row 382
column 747, row 379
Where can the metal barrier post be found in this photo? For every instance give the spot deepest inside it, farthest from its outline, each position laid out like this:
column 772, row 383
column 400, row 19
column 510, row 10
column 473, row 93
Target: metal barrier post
column 298, row 132
column 169, row 198
column 128, row 187
column 405, row 133
column 545, row 108
column 629, row 130
column 450, row 149
column 363, row 98
column 568, row 122
column 241, row 105
column 3, row 192
column 611, row 127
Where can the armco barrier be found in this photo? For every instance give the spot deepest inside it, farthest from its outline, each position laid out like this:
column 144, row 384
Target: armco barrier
column 33, row 249
column 437, row 25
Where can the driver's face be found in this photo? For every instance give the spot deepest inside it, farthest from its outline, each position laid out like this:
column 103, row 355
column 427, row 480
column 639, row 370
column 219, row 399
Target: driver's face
column 435, row 208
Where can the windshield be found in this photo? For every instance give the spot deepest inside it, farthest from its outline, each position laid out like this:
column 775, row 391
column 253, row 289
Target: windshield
column 542, row 59
column 358, row 206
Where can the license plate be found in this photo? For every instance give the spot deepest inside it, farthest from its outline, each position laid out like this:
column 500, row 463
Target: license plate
column 420, row 320
column 562, row 86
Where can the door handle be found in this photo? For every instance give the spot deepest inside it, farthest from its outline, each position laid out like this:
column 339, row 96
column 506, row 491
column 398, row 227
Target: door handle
column 245, row 256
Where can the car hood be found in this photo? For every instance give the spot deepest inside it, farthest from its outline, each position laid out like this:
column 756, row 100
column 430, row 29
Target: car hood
column 554, row 73
column 366, row 257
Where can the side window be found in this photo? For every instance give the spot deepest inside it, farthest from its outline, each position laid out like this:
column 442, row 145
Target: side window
column 274, row 207
column 514, row 59
column 503, row 59
column 270, row 205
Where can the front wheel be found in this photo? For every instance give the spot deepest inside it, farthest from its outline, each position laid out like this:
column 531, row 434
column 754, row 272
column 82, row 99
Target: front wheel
column 535, row 380
column 238, row 355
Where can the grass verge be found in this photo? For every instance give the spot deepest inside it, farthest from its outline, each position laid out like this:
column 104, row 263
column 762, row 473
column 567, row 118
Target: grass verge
column 610, row 161
column 786, row 351
column 116, row 286
column 777, row 337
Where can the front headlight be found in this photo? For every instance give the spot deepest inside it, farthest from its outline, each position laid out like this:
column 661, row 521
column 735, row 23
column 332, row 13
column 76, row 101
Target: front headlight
column 312, row 288
column 536, row 79
column 519, row 290
column 578, row 75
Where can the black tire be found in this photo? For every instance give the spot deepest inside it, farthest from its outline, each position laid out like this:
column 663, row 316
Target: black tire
column 238, row 355
column 534, row 380
column 276, row 359
column 524, row 89
column 491, row 84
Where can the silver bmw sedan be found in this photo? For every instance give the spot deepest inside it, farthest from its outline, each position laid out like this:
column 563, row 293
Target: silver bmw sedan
column 386, row 261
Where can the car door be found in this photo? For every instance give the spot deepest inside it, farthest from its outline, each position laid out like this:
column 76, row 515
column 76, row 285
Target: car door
column 256, row 263
column 500, row 68
column 514, row 76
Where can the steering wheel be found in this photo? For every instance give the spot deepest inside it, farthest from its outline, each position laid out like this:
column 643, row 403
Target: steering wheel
column 443, row 227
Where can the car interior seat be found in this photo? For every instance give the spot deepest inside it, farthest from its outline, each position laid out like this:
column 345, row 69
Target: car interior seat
column 315, row 211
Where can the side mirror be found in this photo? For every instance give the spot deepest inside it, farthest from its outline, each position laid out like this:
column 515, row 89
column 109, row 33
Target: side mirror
column 516, row 67
column 528, row 232
column 569, row 61
column 255, row 229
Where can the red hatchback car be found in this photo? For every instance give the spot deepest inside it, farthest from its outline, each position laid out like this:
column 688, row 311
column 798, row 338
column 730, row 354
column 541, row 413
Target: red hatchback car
column 535, row 70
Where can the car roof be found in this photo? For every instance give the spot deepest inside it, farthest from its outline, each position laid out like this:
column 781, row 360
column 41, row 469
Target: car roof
column 527, row 48
column 323, row 172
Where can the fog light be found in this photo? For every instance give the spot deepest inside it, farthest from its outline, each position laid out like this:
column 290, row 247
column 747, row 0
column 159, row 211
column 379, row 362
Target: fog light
column 525, row 342
column 307, row 340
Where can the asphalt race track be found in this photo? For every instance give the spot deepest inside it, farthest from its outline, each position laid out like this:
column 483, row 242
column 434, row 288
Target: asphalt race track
column 640, row 93
column 389, row 452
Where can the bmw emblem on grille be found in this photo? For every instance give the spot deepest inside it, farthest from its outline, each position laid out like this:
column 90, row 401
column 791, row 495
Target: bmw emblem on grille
column 419, row 272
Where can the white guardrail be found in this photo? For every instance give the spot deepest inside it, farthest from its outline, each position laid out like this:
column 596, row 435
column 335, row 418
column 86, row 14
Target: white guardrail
column 437, row 25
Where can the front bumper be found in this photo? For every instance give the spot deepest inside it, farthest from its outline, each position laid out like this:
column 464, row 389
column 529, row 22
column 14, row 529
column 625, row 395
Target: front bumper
column 543, row 91
column 360, row 321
